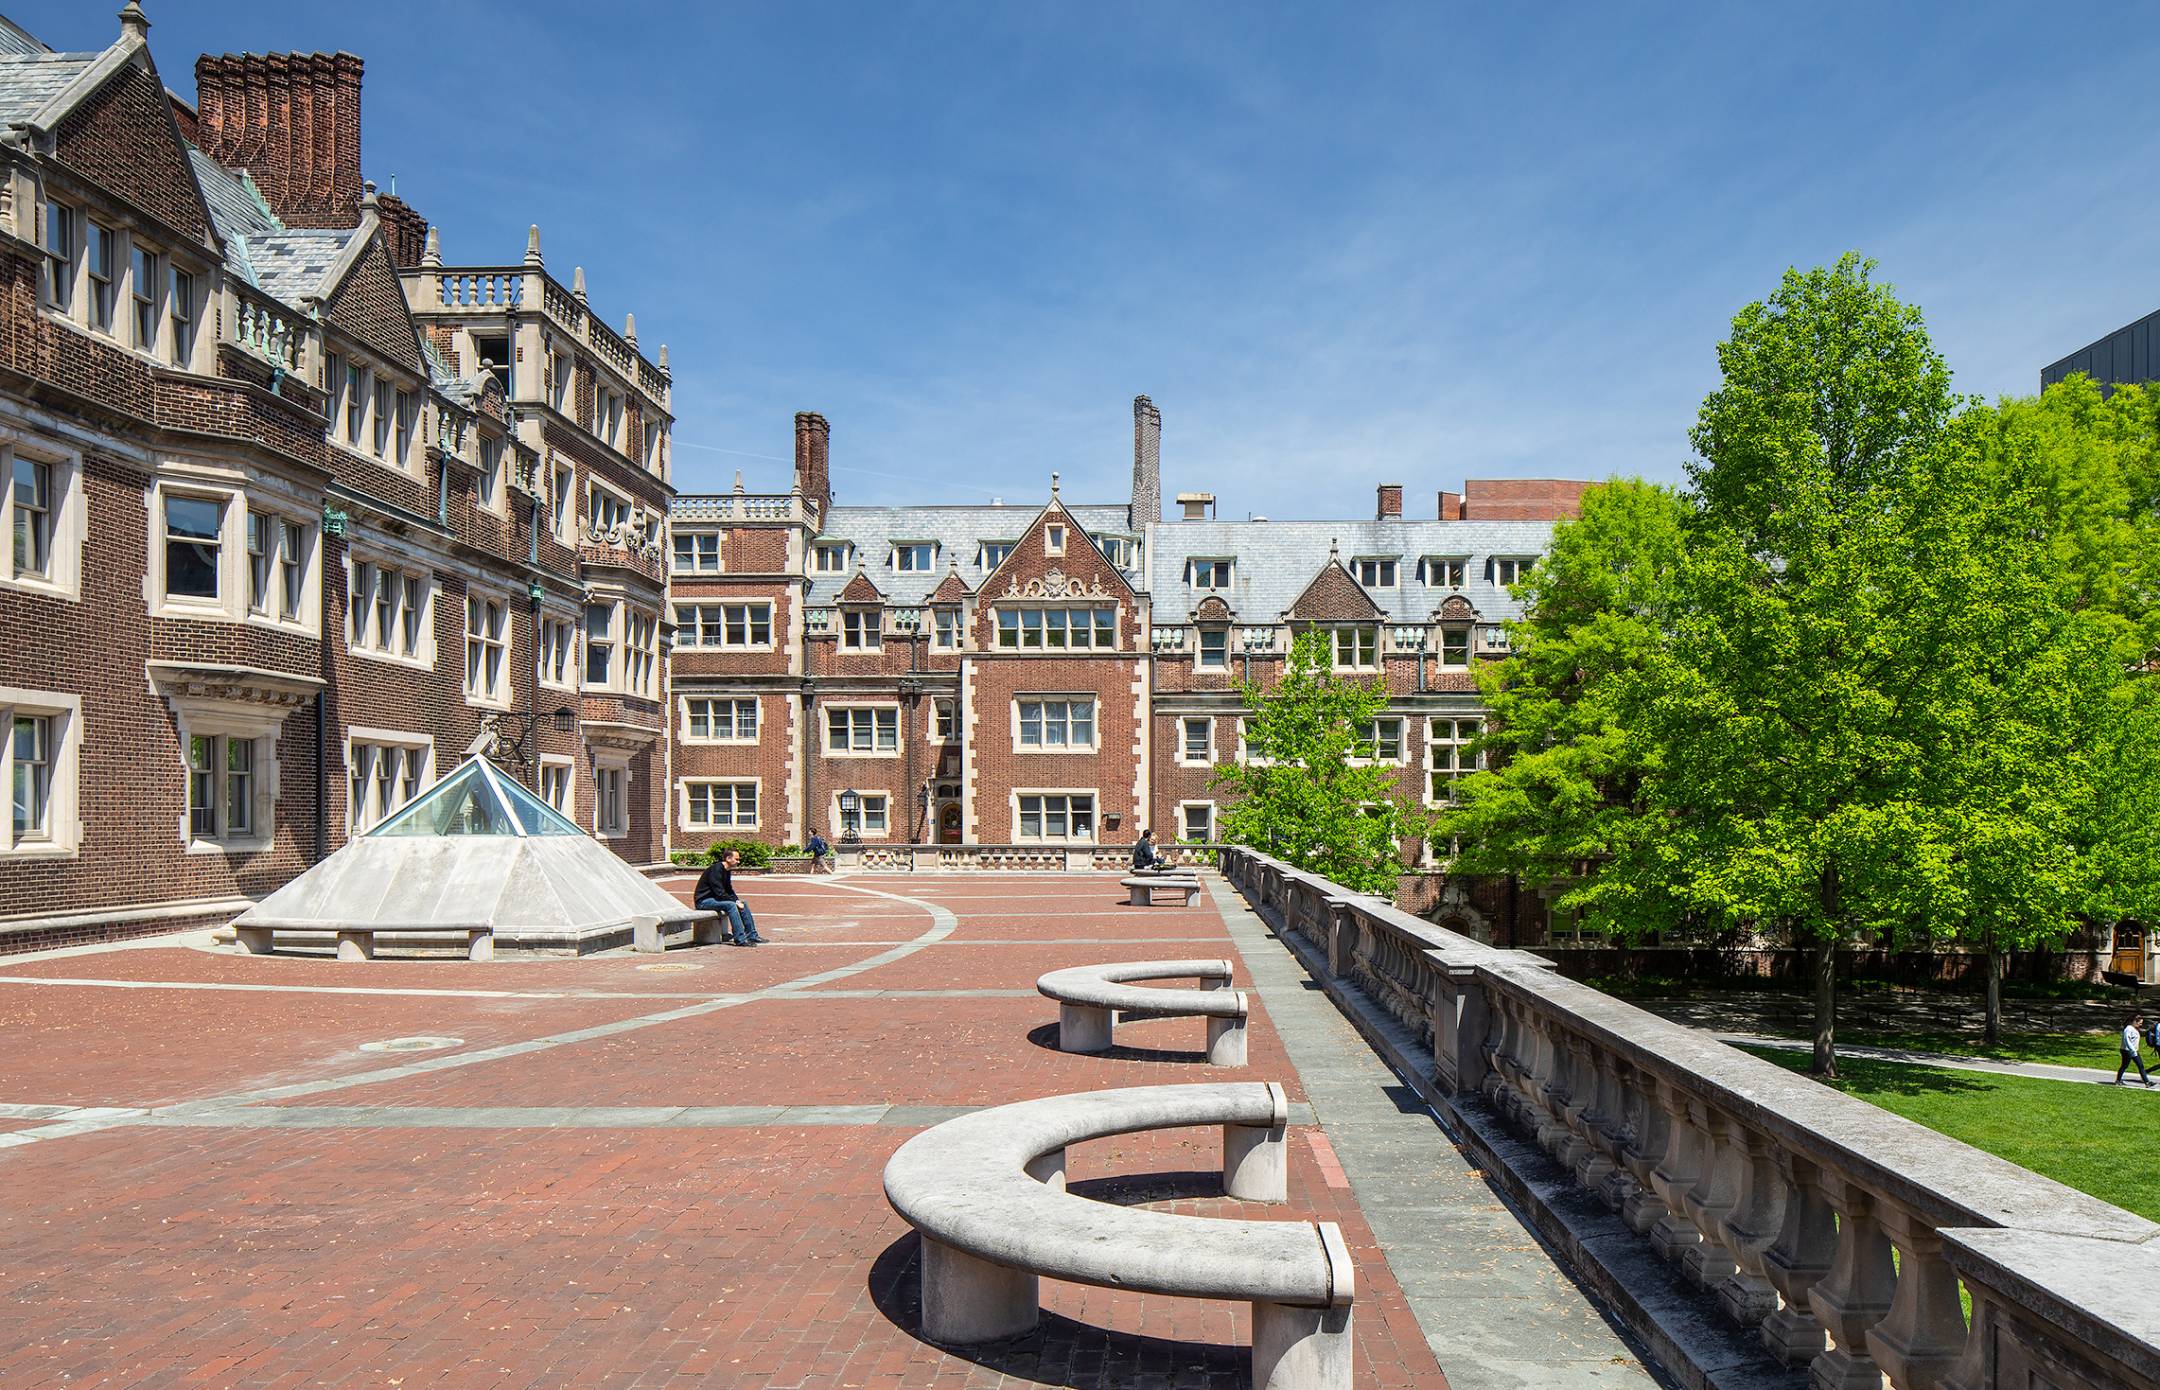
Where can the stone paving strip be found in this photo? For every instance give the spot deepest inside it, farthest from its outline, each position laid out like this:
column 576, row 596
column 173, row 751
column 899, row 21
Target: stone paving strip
column 717, row 996
column 220, row 1115
column 1495, row 1308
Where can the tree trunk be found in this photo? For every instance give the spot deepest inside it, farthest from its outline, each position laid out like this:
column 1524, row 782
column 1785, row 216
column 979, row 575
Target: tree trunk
column 1825, row 1063
column 1994, row 996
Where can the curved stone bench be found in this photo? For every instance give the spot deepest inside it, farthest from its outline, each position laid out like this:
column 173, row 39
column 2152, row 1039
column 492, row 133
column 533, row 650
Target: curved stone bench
column 1090, row 996
column 987, row 1193
column 1141, row 890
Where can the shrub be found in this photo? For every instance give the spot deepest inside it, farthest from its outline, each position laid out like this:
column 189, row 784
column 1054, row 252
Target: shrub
column 754, row 855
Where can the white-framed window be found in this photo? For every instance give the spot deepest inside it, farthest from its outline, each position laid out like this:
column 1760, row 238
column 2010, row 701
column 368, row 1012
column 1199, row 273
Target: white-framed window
column 487, row 648
column 611, row 800
column 556, row 773
column 944, row 629
column 1449, row 755
column 715, row 805
column 1196, row 740
column 1121, row 551
column 607, row 416
column 562, row 481
column 1455, row 645
column 605, row 510
column 873, row 815
column 1381, row 741
column 181, row 309
column 102, row 258
column 280, row 557
column 1357, row 648
column 558, row 653
column 1196, row 822
column 1443, row 571
column 357, row 393
column 992, row 554
column 914, row 557
column 562, row 371
column 600, row 642
column 1054, row 725
column 1053, row 539
column 144, row 281
column 696, row 552
column 386, row 413
column 44, row 519
column 829, row 557
column 862, row 730
column 944, row 719
column 489, row 490
column 1057, row 629
column 1054, row 816
column 641, row 652
column 1213, row 653
column 1510, row 569
column 720, row 719
column 228, row 775
column 862, row 629
column 743, row 626
column 655, row 446
column 1207, row 574
column 333, row 385
column 194, row 548
column 1375, row 571
column 384, row 769
column 63, row 251
column 40, row 762
column 389, row 611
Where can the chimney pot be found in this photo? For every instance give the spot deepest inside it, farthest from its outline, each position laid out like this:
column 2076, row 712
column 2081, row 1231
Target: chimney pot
column 813, row 467
column 1196, row 506
column 1147, row 462
column 1390, row 507
column 292, row 120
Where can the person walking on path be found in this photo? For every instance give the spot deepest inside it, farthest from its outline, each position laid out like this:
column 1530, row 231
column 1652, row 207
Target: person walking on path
column 822, row 858
column 2132, row 1040
column 716, row 893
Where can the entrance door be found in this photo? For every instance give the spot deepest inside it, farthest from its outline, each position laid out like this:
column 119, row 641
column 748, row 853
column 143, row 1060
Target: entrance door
column 2129, row 951
column 948, row 829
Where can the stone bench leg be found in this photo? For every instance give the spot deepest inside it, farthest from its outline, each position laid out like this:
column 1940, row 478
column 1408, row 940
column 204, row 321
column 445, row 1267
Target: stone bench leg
column 1226, row 1042
column 355, row 945
column 1082, row 1029
column 1255, row 1164
column 1048, row 1169
column 1300, row 1348
column 966, row 1300
column 710, row 931
column 1138, row 896
column 253, row 940
column 481, row 946
column 645, row 935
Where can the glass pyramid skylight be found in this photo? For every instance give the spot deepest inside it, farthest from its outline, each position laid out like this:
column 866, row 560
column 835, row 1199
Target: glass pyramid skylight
column 477, row 799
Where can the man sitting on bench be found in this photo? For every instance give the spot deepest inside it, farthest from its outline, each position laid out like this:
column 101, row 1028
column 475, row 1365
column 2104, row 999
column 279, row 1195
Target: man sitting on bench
column 1144, row 858
column 715, row 892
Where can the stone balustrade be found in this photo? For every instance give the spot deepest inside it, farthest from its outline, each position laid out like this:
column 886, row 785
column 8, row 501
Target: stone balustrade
column 270, row 331
column 1826, row 1231
column 908, row 858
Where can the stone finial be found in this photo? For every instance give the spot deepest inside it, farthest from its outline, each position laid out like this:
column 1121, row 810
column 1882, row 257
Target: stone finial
column 532, row 245
column 577, row 284
column 369, row 202
column 1053, row 487
column 663, row 357
column 629, row 329
column 1334, row 548
column 431, row 254
column 738, row 482
column 134, row 24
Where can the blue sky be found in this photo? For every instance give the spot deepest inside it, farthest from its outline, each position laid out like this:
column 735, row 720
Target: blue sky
column 1339, row 245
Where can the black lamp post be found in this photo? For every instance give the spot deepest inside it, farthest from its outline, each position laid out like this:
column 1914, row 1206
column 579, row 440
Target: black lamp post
column 849, row 804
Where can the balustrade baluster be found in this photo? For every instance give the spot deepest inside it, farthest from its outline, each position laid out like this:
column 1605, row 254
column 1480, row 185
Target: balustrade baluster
column 1716, row 1189
column 1676, row 1174
column 1854, row 1295
column 1924, row 1333
column 1807, row 1238
column 1643, row 1207
column 1757, row 1215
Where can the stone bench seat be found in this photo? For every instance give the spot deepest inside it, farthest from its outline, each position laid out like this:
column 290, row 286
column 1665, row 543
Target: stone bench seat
column 358, row 942
column 987, row 1193
column 1142, row 890
column 1091, row 998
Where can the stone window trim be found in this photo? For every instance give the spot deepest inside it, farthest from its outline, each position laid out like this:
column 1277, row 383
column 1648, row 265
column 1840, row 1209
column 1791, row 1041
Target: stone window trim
column 733, row 616
column 1211, row 573
column 1385, row 571
column 1066, row 700
column 504, row 693
column 1354, row 647
column 944, row 719
column 1184, row 823
column 1054, row 540
column 739, row 739
column 1066, row 795
column 683, row 786
column 690, row 547
column 492, row 488
column 308, row 619
column 1447, row 739
column 230, row 604
column 864, row 829
column 562, row 502
column 1444, row 571
column 563, row 766
column 1184, row 740
column 560, row 631
column 65, row 521
column 862, row 629
column 233, row 703
column 385, row 563
column 67, row 288
column 375, row 388
column 1401, row 740
column 830, row 707
column 360, row 738
column 1211, row 647
column 605, row 765
column 63, row 833
column 914, row 556
column 1012, row 629
column 948, row 632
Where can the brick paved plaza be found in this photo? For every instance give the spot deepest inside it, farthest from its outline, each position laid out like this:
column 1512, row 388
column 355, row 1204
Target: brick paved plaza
column 628, row 1171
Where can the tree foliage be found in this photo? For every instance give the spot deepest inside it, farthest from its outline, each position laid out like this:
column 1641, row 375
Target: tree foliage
column 1308, row 790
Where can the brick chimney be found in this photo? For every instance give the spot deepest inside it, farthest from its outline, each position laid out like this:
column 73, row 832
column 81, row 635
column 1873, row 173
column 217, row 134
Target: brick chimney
column 292, row 120
column 1390, row 508
column 813, row 469
column 1146, row 462
column 1451, row 506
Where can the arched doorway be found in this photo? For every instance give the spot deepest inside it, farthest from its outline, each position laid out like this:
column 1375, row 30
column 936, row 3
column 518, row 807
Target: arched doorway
column 948, row 827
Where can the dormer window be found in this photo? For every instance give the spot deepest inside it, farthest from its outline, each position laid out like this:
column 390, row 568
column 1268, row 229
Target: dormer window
column 1208, row 574
column 914, row 557
column 1053, row 540
column 993, row 554
column 1375, row 572
column 1118, row 550
column 829, row 558
column 1508, row 569
column 1442, row 572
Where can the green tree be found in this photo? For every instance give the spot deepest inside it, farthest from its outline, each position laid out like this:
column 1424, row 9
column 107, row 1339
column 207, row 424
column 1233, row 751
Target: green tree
column 1560, row 793
column 1308, row 791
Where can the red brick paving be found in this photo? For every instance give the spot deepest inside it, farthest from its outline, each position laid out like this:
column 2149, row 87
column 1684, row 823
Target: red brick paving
column 717, row 1257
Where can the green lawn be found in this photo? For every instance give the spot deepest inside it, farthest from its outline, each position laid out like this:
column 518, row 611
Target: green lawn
column 2096, row 1050
column 2097, row 1139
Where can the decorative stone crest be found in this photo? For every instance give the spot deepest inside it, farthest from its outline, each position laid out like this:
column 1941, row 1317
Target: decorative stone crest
column 1056, row 584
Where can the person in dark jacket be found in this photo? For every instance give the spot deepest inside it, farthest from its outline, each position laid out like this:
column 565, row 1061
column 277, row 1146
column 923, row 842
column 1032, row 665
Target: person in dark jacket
column 1144, row 858
column 822, row 858
column 716, row 893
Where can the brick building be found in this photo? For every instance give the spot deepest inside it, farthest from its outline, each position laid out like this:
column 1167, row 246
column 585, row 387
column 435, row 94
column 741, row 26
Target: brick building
column 299, row 513
column 1052, row 674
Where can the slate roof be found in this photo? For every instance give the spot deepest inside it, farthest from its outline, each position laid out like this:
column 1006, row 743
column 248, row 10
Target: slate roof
column 290, row 265
column 1272, row 563
column 30, row 80
column 958, row 532
column 238, row 212
column 14, row 39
